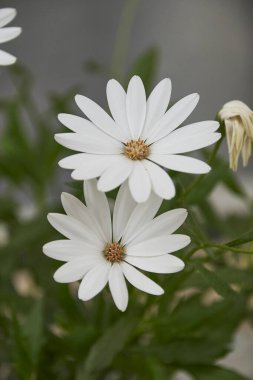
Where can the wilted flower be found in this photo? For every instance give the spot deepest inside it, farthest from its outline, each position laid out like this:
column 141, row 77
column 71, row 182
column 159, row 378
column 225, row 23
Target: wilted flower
column 238, row 119
column 98, row 250
column 139, row 141
column 7, row 34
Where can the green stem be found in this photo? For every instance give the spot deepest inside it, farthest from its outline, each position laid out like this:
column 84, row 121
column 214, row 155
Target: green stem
column 122, row 38
column 222, row 247
column 225, row 247
column 197, row 181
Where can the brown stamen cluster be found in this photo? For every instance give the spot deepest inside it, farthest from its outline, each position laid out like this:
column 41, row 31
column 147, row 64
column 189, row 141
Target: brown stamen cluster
column 136, row 150
column 114, row 252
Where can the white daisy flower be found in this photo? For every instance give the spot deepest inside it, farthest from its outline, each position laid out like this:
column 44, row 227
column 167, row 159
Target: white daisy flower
column 98, row 251
column 7, row 34
column 138, row 142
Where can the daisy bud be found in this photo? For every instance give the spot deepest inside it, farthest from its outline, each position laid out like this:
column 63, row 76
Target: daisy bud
column 238, row 119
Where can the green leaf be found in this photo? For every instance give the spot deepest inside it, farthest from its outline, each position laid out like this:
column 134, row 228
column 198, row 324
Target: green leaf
column 106, row 348
column 145, row 66
column 34, row 332
column 22, row 361
column 215, row 282
column 184, row 352
column 245, row 238
column 212, row 372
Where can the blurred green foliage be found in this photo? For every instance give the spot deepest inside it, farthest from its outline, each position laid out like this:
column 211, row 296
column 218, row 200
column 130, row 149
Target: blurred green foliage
column 47, row 333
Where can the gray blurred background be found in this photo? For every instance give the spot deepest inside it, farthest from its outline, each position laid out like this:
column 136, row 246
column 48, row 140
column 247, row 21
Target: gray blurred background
column 205, row 45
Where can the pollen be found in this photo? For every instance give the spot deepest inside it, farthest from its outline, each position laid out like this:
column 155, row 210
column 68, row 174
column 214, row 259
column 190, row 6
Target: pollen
column 136, row 150
column 114, row 252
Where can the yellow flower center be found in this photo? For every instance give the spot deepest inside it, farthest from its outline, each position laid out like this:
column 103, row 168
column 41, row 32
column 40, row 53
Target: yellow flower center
column 114, row 252
column 136, row 150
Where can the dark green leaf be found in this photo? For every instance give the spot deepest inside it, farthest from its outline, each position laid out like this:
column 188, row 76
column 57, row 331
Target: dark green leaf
column 213, row 372
column 215, row 282
column 34, row 332
column 107, row 347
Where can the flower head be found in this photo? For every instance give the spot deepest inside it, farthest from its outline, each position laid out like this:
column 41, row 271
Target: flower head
column 98, row 251
column 238, row 119
column 138, row 142
column 7, row 34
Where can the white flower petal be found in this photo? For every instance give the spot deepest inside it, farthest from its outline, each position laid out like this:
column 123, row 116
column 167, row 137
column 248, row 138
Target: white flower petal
column 94, row 142
column 78, row 124
column 99, row 117
column 206, row 126
column 141, row 214
column 157, row 104
column 66, row 250
column 91, row 165
column 6, row 16
column 116, row 97
column 75, row 269
column 139, row 183
column 158, row 246
column 161, row 182
column 76, row 209
column 115, row 174
column 6, row 58
column 140, row 281
column 136, row 106
column 162, row 225
column 94, row 281
column 97, row 203
column 8, row 34
column 173, row 117
column 73, row 229
column 184, row 143
column 192, row 130
column 118, row 288
column 124, row 206
column 158, row 264
column 74, row 161
column 181, row 163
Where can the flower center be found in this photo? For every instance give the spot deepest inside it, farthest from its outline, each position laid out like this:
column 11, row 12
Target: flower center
column 136, row 150
column 114, row 252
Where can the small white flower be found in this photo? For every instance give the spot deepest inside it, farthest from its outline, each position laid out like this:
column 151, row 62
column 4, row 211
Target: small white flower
column 7, row 34
column 139, row 140
column 98, row 250
column 238, row 119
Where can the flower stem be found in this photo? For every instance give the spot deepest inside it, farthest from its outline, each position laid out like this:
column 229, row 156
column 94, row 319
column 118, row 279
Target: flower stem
column 201, row 177
column 122, row 38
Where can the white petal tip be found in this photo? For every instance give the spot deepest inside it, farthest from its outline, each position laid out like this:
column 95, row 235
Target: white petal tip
column 60, row 117
column 207, row 170
column 83, row 297
column 110, row 81
column 57, row 138
column 187, row 240
column 76, row 177
column 44, row 248
column 58, row 279
column 64, row 196
column 78, row 98
column 169, row 196
column 18, row 31
column 122, row 309
column 10, row 61
column 12, row 11
column 61, row 164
